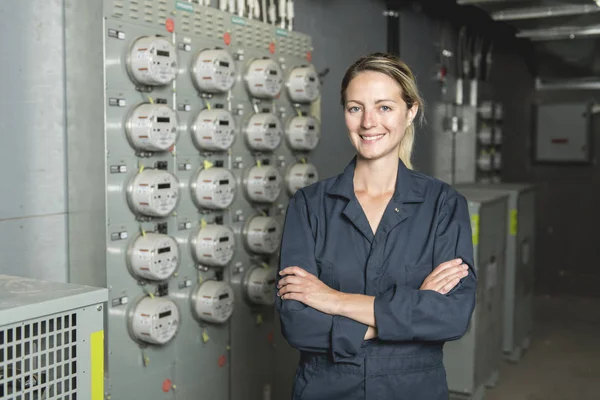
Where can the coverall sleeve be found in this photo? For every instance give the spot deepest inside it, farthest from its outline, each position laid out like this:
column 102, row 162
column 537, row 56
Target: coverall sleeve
column 403, row 313
column 304, row 327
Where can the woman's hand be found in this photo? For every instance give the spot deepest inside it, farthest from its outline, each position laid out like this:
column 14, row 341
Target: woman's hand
column 446, row 276
column 297, row 284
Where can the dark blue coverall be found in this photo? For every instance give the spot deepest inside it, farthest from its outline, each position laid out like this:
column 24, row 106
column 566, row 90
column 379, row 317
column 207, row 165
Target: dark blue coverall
column 327, row 233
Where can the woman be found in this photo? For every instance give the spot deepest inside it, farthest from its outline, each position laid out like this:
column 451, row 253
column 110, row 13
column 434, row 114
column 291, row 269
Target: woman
column 358, row 293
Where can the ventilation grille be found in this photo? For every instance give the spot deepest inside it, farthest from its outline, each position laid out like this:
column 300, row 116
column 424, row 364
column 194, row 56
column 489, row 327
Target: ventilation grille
column 38, row 359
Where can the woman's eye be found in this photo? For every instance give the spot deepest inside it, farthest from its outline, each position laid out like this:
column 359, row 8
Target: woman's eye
column 385, row 108
column 353, row 109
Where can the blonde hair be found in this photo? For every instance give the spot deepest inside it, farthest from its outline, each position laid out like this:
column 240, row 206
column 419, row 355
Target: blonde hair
column 396, row 69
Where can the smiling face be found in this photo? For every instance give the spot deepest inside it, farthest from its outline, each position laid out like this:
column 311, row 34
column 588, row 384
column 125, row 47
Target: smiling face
column 376, row 115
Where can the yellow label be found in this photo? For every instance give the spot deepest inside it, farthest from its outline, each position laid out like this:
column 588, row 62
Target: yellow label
column 97, row 365
column 205, row 337
column 513, row 222
column 259, row 319
column 475, row 228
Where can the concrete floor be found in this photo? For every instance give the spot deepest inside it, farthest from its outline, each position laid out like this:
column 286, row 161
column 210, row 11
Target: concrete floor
column 563, row 362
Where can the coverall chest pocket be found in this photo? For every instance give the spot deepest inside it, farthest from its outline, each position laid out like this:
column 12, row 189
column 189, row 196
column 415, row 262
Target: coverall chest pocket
column 416, row 274
column 326, row 274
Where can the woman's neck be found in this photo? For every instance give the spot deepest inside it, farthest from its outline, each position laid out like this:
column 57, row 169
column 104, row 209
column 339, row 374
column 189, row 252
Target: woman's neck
column 376, row 177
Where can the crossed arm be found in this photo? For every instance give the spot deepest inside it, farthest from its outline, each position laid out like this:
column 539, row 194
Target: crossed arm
column 297, row 284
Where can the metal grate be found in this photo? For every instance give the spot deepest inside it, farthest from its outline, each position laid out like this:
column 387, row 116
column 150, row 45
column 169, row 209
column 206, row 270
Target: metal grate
column 38, row 359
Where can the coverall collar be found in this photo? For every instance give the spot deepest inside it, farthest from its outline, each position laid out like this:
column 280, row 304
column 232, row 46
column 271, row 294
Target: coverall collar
column 408, row 188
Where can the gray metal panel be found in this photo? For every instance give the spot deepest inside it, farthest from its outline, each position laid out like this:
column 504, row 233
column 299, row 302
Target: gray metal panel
column 359, row 29
column 32, row 127
column 24, row 298
column 46, row 236
column 32, row 109
column 86, row 144
column 473, row 361
column 466, row 145
column 520, row 264
column 563, row 132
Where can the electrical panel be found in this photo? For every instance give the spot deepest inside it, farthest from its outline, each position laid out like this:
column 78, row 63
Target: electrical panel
column 190, row 130
column 473, row 362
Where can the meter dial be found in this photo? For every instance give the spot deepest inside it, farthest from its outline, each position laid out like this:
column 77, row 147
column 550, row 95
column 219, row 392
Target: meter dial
column 152, row 61
column 301, row 175
column 262, row 235
column 263, row 184
column 303, row 84
column 154, row 320
column 263, row 132
column 213, row 130
column 154, row 193
column 303, row 133
column 259, row 284
column 213, row 188
column 213, row 71
column 213, row 301
column 264, row 78
column 152, row 127
column 213, row 245
column 153, row 256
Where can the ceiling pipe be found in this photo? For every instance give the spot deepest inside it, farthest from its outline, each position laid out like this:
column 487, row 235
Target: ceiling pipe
column 560, row 33
column 544, row 12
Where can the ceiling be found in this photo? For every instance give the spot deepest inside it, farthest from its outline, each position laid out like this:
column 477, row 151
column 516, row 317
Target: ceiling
column 560, row 39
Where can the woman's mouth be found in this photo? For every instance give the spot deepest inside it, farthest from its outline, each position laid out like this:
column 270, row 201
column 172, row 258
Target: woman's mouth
column 371, row 138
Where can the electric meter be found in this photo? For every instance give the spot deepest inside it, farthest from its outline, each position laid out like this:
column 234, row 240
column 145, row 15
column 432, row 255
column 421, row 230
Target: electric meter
column 301, row 175
column 303, row 133
column 259, row 283
column 498, row 136
column 485, row 135
column 154, row 193
column 152, row 61
column 213, row 130
column 213, row 245
column 213, row 188
column 486, row 109
column 484, row 162
column 264, row 78
column 153, row 256
column 213, row 301
column 303, row 85
column 497, row 161
column 152, row 127
column 155, row 320
column 213, row 71
column 263, row 184
column 262, row 235
column 263, row 132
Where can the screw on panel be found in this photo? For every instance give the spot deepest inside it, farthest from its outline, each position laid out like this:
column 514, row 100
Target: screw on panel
column 99, row 308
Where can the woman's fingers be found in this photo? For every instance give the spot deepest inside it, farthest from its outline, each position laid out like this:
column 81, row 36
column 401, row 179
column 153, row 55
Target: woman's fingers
column 449, row 286
column 445, row 265
column 449, row 273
